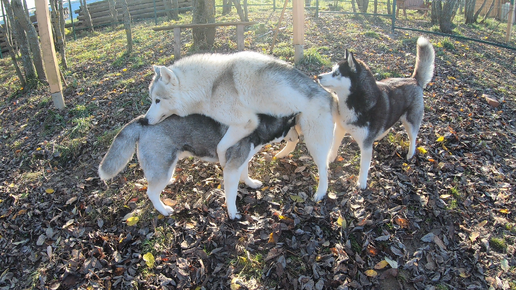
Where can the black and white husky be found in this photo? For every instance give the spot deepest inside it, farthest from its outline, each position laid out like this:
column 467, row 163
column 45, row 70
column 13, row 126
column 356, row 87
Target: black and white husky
column 369, row 108
column 160, row 146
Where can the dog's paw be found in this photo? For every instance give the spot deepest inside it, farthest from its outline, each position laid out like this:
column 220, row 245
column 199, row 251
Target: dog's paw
column 253, row 183
column 318, row 196
column 167, row 210
column 236, row 215
column 362, row 185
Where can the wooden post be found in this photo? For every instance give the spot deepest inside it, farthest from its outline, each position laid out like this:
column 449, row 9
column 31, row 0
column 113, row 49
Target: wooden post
column 49, row 54
column 240, row 37
column 298, row 16
column 510, row 17
column 177, row 43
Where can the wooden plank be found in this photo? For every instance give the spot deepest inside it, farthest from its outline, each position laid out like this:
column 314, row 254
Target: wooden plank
column 177, row 43
column 206, row 25
column 240, row 37
column 49, row 54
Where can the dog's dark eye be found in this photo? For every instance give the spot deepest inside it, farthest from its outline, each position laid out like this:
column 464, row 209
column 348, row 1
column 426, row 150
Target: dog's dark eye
column 157, row 101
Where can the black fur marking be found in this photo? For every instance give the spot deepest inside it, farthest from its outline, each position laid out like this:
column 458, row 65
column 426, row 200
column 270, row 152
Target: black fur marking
column 271, row 128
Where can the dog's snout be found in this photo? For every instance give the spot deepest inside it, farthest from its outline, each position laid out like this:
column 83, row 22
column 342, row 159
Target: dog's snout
column 319, row 77
column 144, row 121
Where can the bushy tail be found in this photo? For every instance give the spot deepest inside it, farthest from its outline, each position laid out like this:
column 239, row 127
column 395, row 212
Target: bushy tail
column 424, row 70
column 121, row 151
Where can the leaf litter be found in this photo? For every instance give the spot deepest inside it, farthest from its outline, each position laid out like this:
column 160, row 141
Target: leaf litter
column 442, row 220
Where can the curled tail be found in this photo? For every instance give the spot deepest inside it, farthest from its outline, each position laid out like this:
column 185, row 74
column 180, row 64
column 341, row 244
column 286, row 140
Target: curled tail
column 121, row 150
column 424, row 69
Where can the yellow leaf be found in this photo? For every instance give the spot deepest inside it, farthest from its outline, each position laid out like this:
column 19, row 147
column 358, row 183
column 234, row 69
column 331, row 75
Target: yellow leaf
column 38, row 149
column 505, row 211
column 371, row 273
column 422, row 150
column 234, row 284
column 132, row 220
column 149, row 259
column 133, row 165
column 342, row 222
column 271, row 239
column 440, row 139
column 49, row 190
column 382, row 264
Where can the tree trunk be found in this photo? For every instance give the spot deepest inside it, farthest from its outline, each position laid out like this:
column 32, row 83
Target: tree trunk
column 87, row 15
column 226, row 7
column 113, row 12
column 32, row 37
column 21, row 39
column 203, row 12
column 127, row 26
column 168, row 9
column 436, row 11
column 362, row 5
column 488, row 11
column 58, row 37
column 239, row 9
column 246, row 12
column 175, row 12
column 475, row 17
column 448, row 10
column 469, row 11
column 12, row 55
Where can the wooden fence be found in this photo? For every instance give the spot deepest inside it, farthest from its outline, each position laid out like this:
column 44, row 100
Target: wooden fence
column 139, row 9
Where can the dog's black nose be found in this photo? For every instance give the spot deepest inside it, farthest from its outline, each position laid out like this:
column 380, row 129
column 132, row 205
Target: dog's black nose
column 144, row 121
column 319, row 77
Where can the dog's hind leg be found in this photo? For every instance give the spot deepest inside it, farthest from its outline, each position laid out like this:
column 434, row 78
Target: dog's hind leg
column 158, row 174
column 244, row 176
column 233, row 135
column 318, row 132
column 412, row 129
column 292, row 139
column 154, row 191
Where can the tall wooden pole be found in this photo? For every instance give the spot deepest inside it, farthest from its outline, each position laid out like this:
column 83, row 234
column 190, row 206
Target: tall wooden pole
column 510, row 17
column 49, row 54
column 298, row 11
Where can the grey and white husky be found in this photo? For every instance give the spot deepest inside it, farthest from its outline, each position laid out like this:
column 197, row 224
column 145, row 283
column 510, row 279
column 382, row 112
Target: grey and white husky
column 160, row 146
column 234, row 89
column 369, row 108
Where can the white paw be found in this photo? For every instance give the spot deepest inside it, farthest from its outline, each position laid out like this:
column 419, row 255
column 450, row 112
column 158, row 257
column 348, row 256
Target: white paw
column 166, row 211
column 253, row 183
column 235, row 215
column 318, row 196
column 172, row 180
column 362, row 185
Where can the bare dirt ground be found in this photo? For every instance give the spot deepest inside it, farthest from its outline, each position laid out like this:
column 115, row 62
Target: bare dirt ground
column 443, row 220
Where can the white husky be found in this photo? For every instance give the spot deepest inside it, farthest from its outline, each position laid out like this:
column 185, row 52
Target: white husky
column 234, row 88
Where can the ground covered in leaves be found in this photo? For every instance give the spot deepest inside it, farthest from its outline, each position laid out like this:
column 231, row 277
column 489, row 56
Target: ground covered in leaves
column 442, row 220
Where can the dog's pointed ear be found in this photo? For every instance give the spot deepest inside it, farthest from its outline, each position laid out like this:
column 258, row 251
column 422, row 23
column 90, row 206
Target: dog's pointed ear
column 351, row 61
column 168, row 76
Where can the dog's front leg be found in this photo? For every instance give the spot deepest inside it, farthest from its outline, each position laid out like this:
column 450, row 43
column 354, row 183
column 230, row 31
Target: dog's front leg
column 338, row 135
column 231, row 178
column 366, row 154
column 233, row 135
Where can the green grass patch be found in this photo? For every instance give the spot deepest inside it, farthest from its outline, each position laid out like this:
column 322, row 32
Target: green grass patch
column 498, row 244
